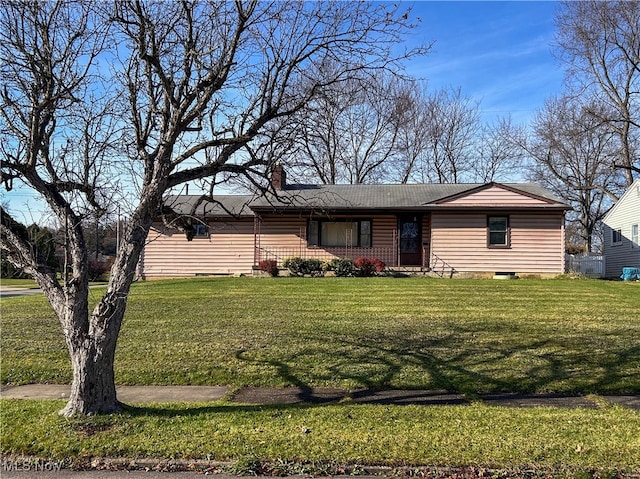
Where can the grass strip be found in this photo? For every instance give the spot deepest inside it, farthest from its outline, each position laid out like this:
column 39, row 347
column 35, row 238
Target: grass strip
column 18, row 283
column 476, row 435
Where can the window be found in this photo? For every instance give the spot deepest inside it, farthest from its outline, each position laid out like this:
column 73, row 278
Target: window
column 498, row 231
column 635, row 244
column 339, row 233
column 365, row 234
column 200, row 230
column 616, row 236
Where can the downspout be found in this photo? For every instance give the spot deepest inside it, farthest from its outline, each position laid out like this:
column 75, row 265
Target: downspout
column 563, row 256
column 256, row 240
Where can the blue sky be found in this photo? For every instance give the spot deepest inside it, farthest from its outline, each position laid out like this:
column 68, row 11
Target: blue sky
column 498, row 52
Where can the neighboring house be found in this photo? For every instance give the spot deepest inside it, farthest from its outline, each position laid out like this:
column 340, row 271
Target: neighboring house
column 462, row 228
column 621, row 233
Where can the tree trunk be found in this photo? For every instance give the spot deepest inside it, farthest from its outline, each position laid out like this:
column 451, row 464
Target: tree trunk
column 92, row 341
column 93, row 388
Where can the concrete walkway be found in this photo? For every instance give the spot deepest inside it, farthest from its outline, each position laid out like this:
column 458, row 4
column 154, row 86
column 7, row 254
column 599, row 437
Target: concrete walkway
column 11, row 291
column 294, row 395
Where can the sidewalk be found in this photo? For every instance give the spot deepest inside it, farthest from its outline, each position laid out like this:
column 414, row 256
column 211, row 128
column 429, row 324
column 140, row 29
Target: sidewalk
column 294, row 395
column 10, row 291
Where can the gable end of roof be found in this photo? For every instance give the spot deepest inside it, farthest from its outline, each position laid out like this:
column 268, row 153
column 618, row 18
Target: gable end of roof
column 524, row 189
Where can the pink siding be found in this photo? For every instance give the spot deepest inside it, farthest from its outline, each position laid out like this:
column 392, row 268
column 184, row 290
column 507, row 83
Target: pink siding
column 537, row 243
column 228, row 249
column 495, row 196
column 458, row 238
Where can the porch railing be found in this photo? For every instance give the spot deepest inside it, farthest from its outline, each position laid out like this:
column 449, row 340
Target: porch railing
column 388, row 255
column 441, row 267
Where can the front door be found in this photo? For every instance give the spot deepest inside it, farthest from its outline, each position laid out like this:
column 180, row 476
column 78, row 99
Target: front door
column 410, row 233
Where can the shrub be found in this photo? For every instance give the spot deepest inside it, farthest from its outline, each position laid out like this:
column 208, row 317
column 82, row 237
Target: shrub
column 97, row 269
column 294, row 265
column 313, row 267
column 341, row 267
column 369, row 266
column 269, row 266
column 299, row 266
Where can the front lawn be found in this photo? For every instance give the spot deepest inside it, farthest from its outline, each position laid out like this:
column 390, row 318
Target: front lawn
column 540, row 439
column 467, row 336
column 462, row 335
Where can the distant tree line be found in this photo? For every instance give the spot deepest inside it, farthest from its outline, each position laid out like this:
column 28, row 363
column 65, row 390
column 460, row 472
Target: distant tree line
column 50, row 242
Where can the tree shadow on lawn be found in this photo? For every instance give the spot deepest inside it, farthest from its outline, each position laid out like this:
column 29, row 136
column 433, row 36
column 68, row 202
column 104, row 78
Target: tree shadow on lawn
column 454, row 364
column 389, row 368
column 454, row 379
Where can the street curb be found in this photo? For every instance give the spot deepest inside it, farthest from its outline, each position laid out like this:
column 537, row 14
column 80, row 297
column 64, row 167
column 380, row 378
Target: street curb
column 321, row 469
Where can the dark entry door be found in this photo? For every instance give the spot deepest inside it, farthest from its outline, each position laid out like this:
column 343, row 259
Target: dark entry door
column 410, row 233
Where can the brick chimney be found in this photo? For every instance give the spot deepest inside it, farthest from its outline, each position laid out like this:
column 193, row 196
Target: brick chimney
column 278, row 177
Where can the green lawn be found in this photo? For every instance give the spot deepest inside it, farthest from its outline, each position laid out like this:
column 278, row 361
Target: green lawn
column 463, row 336
column 468, row 336
column 477, row 435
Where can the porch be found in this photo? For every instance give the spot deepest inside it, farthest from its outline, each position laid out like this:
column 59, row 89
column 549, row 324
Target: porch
column 400, row 241
column 430, row 262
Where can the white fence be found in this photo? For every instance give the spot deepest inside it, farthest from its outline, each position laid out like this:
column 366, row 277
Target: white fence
column 592, row 266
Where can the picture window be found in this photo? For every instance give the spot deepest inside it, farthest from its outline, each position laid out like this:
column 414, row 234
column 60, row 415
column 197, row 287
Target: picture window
column 339, row 233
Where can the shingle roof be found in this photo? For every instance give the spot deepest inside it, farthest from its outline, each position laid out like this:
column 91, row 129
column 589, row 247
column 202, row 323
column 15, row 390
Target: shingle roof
column 222, row 205
column 346, row 197
column 390, row 197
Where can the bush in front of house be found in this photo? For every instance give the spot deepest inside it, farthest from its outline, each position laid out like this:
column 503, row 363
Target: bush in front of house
column 341, row 267
column 299, row 267
column 269, row 266
column 369, row 266
column 294, row 265
column 98, row 269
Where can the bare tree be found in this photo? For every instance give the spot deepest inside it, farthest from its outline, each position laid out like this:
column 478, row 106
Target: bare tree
column 193, row 90
column 349, row 133
column 450, row 130
column 498, row 155
column 411, row 145
column 600, row 43
column 571, row 154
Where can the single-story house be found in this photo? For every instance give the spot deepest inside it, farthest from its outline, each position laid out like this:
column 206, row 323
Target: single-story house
column 463, row 228
column 621, row 233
